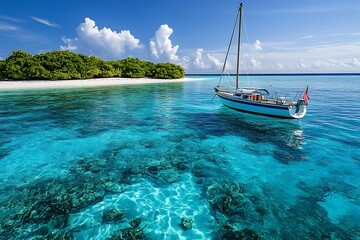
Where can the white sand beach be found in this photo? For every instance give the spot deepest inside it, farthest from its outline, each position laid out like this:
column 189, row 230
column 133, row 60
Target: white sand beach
column 23, row 85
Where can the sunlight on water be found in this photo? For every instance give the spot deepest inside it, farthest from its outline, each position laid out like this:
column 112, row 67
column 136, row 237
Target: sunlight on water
column 163, row 161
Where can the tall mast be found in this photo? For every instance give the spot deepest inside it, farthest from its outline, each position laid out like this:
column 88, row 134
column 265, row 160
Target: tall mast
column 238, row 52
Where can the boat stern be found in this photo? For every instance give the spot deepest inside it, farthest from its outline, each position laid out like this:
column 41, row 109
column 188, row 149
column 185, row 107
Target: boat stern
column 298, row 110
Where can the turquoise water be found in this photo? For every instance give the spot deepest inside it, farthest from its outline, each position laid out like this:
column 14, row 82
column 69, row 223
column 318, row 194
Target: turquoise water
column 97, row 163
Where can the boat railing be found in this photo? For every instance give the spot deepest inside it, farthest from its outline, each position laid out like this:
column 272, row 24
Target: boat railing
column 297, row 97
column 281, row 98
column 286, row 99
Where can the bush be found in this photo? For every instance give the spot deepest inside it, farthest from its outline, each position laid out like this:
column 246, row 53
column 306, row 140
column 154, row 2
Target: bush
column 167, row 71
column 2, row 69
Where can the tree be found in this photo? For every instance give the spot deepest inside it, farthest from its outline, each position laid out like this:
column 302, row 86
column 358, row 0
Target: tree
column 117, row 68
column 35, row 69
column 89, row 68
column 132, row 68
column 106, row 69
column 167, row 71
column 61, row 64
column 17, row 65
column 2, row 70
column 148, row 67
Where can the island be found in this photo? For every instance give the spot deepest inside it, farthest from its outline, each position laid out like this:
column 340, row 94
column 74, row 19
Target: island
column 67, row 65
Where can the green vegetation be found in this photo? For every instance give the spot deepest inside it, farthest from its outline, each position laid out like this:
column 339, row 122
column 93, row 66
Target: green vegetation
column 58, row 65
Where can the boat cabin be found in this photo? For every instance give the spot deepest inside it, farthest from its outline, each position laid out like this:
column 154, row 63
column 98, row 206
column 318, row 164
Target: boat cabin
column 256, row 95
column 249, row 96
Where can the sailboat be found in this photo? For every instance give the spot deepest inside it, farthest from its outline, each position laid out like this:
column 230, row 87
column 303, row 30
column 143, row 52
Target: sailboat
column 259, row 100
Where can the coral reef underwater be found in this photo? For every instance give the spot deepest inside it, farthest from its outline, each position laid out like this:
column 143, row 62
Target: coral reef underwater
column 106, row 164
column 42, row 209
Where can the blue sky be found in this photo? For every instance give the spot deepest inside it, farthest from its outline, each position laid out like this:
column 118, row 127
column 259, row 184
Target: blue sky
column 279, row 36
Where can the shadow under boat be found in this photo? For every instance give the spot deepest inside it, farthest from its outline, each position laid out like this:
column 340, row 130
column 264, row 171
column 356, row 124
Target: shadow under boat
column 287, row 136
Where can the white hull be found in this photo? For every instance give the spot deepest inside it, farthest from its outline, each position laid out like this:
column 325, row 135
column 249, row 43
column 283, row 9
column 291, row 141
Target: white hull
column 274, row 110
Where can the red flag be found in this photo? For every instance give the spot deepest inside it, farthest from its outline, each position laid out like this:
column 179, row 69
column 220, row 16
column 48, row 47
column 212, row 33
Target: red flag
column 306, row 96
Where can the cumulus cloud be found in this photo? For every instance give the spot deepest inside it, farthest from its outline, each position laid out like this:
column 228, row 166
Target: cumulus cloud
column 215, row 62
column 199, row 62
column 46, row 22
column 161, row 45
column 105, row 43
column 70, row 44
column 185, row 62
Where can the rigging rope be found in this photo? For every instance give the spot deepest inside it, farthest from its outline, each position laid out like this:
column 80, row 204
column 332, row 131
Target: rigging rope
column 227, row 53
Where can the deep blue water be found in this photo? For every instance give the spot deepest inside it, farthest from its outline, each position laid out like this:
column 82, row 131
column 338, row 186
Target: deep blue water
column 85, row 163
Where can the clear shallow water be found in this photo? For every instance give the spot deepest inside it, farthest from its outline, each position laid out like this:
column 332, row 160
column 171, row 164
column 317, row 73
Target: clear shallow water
column 163, row 152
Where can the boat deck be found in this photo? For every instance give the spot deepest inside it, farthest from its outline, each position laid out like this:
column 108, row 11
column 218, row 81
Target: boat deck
column 263, row 99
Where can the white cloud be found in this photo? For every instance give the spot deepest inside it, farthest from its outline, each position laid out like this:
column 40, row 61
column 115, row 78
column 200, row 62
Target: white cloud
column 185, row 62
column 302, row 65
column 161, row 46
column 11, row 19
column 8, row 27
column 46, row 22
column 255, row 63
column 251, row 47
column 355, row 62
column 316, row 55
column 104, row 43
column 215, row 62
column 306, row 37
column 199, row 62
column 70, row 44
column 324, row 64
column 257, row 45
column 345, row 34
